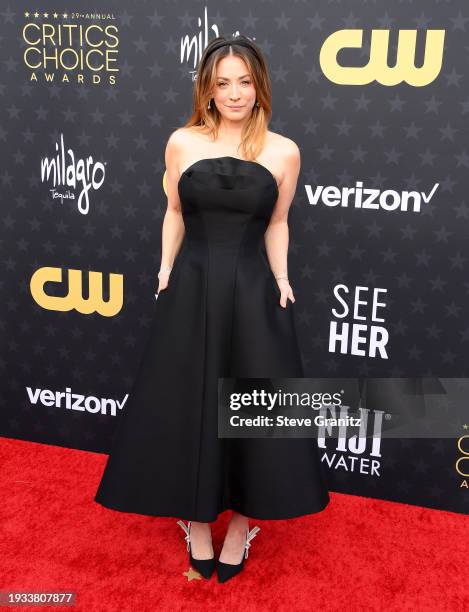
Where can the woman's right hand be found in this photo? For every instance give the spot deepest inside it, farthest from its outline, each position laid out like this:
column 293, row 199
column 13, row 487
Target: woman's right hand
column 163, row 278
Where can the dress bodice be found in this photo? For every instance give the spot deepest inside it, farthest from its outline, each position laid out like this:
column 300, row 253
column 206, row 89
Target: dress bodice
column 228, row 184
column 227, row 203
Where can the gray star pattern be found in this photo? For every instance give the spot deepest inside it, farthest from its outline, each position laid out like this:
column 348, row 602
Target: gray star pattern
column 400, row 138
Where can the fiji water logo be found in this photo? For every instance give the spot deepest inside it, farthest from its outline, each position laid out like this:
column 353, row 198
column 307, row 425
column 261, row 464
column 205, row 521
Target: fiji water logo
column 354, row 450
column 67, row 174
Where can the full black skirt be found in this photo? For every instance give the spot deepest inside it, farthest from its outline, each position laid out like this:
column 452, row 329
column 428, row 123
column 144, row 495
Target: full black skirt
column 219, row 317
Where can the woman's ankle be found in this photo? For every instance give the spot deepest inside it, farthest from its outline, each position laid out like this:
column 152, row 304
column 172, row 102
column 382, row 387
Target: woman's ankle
column 239, row 521
column 201, row 540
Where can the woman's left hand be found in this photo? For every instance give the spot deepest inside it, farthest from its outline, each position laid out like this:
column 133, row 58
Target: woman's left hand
column 286, row 292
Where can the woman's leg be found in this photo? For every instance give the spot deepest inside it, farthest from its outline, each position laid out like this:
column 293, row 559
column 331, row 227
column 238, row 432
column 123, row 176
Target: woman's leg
column 201, row 540
column 235, row 539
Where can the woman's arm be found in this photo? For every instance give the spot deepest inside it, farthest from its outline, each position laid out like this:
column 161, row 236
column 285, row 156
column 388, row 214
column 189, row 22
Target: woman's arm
column 173, row 224
column 276, row 235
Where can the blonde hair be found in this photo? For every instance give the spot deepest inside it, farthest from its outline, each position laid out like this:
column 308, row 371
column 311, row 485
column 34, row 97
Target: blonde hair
column 207, row 121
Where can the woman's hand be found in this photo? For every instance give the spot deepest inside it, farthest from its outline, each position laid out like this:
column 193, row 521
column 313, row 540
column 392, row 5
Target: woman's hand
column 286, row 291
column 163, row 278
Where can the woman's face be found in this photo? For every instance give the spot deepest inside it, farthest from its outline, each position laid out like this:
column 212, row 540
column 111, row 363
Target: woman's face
column 234, row 93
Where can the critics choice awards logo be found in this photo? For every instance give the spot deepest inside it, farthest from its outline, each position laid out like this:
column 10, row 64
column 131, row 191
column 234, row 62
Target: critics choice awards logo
column 65, row 47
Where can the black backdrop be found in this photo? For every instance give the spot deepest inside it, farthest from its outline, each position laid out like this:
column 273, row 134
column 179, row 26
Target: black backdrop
column 95, row 233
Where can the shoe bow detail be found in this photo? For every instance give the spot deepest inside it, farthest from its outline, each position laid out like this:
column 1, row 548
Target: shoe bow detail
column 186, row 529
column 252, row 534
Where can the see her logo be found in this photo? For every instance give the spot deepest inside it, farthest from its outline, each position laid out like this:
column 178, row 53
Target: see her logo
column 347, row 336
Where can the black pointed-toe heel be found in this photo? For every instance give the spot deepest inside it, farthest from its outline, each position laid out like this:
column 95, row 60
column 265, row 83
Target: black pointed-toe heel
column 203, row 566
column 226, row 571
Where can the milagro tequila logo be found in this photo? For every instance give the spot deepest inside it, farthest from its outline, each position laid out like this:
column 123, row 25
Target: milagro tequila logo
column 65, row 170
column 193, row 45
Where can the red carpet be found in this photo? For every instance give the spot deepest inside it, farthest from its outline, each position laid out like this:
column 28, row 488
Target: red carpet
column 359, row 554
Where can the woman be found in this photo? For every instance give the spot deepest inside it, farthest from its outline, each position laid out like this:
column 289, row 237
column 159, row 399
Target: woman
column 224, row 309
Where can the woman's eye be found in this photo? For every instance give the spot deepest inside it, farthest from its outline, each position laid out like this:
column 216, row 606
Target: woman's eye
column 243, row 82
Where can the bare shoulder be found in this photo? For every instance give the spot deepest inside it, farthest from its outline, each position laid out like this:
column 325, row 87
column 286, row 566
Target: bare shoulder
column 285, row 156
column 180, row 138
column 179, row 142
column 284, row 148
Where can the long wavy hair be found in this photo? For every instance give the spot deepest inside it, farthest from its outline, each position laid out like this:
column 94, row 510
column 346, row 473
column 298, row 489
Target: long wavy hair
column 207, row 120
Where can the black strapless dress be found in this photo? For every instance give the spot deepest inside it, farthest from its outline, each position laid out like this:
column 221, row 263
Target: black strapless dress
column 219, row 317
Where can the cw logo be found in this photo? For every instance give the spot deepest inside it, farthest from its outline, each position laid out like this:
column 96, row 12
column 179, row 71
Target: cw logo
column 74, row 299
column 460, row 468
column 377, row 67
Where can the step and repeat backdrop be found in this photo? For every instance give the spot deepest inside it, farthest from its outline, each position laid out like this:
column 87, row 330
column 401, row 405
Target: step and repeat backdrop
column 375, row 95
